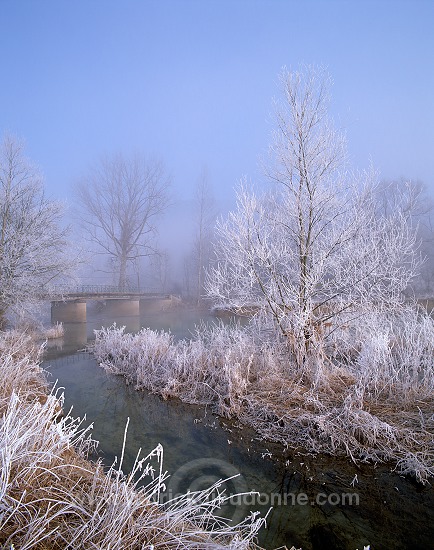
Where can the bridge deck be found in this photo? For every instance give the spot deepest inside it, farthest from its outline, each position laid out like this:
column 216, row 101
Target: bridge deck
column 103, row 292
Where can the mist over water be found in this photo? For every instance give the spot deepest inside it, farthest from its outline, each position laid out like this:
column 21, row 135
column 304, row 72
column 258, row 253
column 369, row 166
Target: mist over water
column 317, row 502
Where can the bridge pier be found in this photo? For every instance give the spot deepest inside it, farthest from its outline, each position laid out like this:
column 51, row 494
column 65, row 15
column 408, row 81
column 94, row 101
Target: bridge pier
column 68, row 312
column 122, row 307
column 71, row 305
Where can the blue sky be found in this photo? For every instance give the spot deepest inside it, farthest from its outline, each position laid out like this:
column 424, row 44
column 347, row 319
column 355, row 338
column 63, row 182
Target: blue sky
column 192, row 81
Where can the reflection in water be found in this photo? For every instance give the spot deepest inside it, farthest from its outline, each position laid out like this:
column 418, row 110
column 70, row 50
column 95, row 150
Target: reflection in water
column 318, row 502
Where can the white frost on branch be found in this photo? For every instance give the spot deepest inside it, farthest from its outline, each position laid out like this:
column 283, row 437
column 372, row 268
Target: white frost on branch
column 313, row 250
column 34, row 251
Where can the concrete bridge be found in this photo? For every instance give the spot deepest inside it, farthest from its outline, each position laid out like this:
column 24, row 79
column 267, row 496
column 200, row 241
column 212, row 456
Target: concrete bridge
column 69, row 305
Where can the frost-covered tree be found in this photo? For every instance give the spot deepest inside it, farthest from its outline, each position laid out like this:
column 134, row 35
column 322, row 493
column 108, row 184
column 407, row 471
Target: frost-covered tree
column 413, row 200
column 204, row 216
column 159, row 271
column 33, row 241
column 120, row 202
column 313, row 250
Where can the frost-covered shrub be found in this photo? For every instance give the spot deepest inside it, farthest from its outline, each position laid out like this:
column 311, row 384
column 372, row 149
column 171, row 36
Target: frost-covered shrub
column 397, row 354
column 215, row 366
column 366, row 400
column 56, row 331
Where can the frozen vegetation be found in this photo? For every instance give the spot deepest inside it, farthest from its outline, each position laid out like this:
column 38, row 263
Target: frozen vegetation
column 54, row 332
column 35, row 253
column 337, row 357
column 51, row 496
column 371, row 397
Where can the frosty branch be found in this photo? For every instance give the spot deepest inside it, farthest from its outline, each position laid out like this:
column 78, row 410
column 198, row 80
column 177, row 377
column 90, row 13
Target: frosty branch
column 314, row 251
column 33, row 243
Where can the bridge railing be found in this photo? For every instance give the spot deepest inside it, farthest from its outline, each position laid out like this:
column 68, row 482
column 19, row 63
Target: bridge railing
column 61, row 290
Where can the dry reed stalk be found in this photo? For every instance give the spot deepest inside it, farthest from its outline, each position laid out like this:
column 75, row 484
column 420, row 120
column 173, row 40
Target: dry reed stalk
column 54, row 332
column 319, row 423
column 19, row 368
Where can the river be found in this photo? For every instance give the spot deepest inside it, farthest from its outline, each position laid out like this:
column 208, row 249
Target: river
column 317, row 502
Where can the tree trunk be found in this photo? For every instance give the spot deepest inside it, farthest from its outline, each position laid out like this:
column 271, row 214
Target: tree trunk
column 3, row 320
column 123, row 273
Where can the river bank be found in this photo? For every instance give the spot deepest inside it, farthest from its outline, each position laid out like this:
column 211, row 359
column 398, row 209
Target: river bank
column 53, row 497
column 392, row 512
column 366, row 411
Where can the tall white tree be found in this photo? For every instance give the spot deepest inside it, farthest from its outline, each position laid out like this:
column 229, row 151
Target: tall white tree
column 120, row 202
column 34, row 251
column 312, row 251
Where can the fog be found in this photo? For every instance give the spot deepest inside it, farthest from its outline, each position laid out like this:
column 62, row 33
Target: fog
column 193, row 83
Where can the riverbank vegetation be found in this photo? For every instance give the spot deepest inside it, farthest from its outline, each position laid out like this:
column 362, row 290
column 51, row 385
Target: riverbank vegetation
column 52, row 496
column 372, row 399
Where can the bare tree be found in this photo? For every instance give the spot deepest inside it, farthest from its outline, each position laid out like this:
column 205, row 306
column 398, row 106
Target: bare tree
column 120, row 201
column 409, row 197
column 313, row 251
column 197, row 261
column 159, row 271
column 187, row 269
column 33, row 243
column 205, row 214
